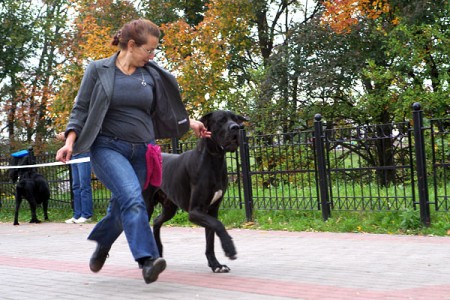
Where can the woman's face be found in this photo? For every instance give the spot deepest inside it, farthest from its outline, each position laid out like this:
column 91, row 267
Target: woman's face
column 146, row 52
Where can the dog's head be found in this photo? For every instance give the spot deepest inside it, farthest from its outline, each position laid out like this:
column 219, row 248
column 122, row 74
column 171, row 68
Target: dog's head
column 28, row 159
column 224, row 127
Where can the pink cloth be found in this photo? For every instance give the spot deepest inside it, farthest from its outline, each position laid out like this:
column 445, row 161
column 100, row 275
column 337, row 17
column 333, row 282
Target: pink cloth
column 154, row 166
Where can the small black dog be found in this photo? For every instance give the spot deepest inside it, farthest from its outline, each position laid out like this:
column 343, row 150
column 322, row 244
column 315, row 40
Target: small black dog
column 196, row 181
column 31, row 186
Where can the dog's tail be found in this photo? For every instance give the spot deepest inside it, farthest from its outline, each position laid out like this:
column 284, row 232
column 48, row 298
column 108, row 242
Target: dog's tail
column 150, row 195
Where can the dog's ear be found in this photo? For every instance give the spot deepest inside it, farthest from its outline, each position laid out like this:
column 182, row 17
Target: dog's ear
column 14, row 161
column 205, row 119
column 13, row 175
column 241, row 119
column 31, row 156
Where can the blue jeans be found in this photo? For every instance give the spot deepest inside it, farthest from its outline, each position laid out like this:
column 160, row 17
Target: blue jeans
column 81, row 186
column 121, row 167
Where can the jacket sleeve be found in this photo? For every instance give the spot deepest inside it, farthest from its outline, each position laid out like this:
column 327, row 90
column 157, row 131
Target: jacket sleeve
column 80, row 109
column 170, row 118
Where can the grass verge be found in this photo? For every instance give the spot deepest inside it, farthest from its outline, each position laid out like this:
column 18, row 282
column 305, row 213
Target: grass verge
column 401, row 222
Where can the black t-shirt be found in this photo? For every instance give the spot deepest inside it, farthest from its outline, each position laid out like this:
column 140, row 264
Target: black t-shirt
column 129, row 114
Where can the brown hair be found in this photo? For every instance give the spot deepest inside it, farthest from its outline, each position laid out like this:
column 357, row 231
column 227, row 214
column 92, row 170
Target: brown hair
column 137, row 30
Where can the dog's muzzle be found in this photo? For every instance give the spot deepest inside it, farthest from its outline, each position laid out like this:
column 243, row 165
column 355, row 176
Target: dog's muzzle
column 232, row 141
column 229, row 140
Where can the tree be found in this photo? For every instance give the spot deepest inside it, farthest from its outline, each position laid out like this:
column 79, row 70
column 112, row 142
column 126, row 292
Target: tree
column 408, row 60
column 389, row 51
column 17, row 31
column 168, row 11
column 277, row 93
column 219, row 49
column 202, row 55
column 31, row 34
column 90, row 39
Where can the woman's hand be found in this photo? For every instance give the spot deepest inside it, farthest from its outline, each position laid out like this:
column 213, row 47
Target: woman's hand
column 65, row 152
column 199, row 129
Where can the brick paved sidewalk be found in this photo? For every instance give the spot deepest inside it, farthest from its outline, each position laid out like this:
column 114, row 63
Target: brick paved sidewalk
column 50, row 261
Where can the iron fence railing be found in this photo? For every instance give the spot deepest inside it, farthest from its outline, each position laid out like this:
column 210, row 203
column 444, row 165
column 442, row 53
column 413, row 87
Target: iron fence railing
column 439, row 134
column 386, row 167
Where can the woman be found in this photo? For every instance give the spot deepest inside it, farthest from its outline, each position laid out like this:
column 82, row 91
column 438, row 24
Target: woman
column 124, row 103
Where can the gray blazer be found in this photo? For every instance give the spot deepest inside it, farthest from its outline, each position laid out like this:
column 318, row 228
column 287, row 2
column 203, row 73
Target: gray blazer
column 169, row 115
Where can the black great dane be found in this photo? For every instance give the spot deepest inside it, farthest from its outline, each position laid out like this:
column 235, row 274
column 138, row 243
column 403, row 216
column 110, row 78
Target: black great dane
column 196, row 181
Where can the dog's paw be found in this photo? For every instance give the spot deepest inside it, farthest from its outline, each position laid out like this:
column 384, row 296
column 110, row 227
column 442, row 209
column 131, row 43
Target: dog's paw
column 35, row 221
column 16, row 223
column 231, row 254
column 229, row 249
column 221, row 269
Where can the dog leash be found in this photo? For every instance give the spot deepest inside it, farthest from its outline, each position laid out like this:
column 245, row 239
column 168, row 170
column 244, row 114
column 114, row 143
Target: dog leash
column 56, row 163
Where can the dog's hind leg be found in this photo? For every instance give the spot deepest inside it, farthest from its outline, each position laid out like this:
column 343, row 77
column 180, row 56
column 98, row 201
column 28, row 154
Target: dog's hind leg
column 45, row 208
column 33, row 206
column 44, row 196
column 169, row 209
column 150, row 199
column 18, row 202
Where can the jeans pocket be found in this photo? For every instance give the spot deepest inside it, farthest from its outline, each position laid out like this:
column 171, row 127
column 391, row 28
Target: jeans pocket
column 103, row 140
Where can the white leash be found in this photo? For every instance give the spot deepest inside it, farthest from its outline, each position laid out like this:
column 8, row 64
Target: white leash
column 57, row 163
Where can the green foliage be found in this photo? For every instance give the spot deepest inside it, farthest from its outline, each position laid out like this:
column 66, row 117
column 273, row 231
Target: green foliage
column 17, row 33
column 95, row 24
column 166, row 11
column 278, row 69
column 367, row 222
column 30, row 60
column 376, row 71
column 410, row 219
column 404, row 222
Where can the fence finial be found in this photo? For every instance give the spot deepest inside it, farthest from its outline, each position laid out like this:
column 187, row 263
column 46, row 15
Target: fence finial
column 416, row 106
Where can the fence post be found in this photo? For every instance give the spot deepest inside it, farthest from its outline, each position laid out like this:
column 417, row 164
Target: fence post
column 321, row 167
column 246, row 179
column 175, row 149
column 422, row 183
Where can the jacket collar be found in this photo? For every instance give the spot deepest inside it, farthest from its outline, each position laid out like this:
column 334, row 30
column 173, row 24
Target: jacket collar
column 110, row 62
column 106, row 71
column 106, row 74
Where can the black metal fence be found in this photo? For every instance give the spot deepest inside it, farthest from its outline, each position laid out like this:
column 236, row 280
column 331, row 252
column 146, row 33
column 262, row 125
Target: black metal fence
column 365, row 168
column 387, row 167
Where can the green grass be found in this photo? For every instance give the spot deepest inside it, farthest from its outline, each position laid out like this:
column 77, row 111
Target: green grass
column 401, row 222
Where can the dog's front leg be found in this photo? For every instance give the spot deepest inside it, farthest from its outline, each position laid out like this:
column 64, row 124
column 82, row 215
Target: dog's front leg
column 200, row 218
column 213, row 263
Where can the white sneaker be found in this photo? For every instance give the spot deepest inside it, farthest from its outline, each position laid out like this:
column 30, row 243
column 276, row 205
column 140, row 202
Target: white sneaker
column 71, row 221
column 82, row 220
